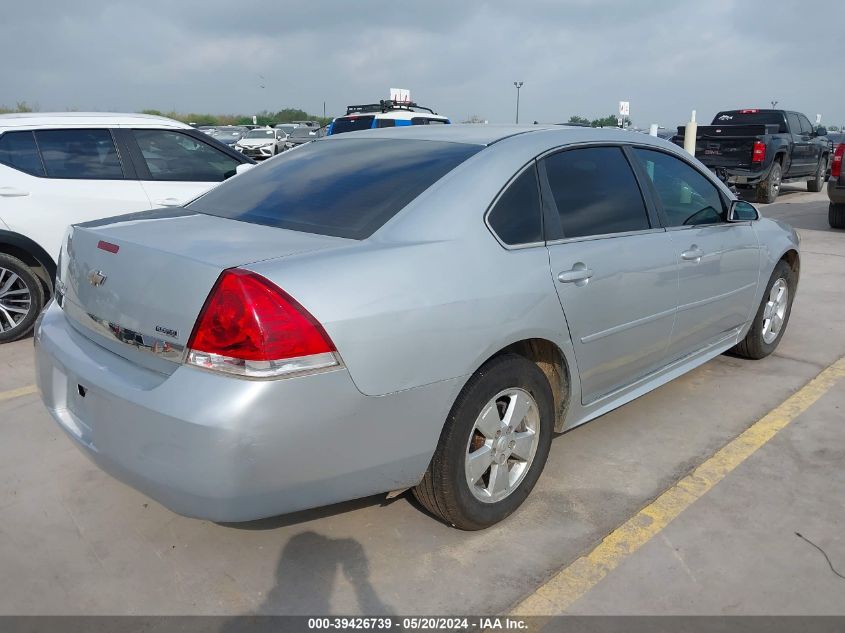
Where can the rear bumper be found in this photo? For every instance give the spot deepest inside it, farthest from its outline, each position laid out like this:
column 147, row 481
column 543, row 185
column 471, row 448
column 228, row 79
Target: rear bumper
column 836, row 190
column 228, row 449
column 740, row 176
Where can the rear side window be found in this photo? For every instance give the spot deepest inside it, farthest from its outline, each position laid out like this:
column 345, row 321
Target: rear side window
column 794, row 123
column 515, row 217
column 595, row 192
column 385, row 122
column 346, row 188
column 82, row 154
column 176, row 156
column 18, row 150
column 352, row 124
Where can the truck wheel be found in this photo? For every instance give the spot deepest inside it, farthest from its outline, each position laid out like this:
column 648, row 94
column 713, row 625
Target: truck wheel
column 21, row 298
column 815, row 185
column 836, row 216
column 768, row 190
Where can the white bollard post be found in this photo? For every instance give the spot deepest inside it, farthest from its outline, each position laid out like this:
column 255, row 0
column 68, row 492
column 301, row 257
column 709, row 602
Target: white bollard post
column 689, row 135
column 653, row 129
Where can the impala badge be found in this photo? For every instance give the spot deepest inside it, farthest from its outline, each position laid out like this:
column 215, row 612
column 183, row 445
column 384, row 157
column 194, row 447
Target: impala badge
column 96, row 278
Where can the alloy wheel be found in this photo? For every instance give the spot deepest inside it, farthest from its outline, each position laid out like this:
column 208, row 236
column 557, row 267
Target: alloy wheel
column 15, row 300
column 774, row 312
column 502, row 445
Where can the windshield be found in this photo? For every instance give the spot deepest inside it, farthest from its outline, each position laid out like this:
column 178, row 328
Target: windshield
column 352, row 124
column 260, row 134
column 287, row 129
column 304, row 132
column 236, row 131
column 346, row 188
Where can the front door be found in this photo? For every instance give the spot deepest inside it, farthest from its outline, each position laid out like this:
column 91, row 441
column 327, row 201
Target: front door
column 718, row 261
column 614, row 268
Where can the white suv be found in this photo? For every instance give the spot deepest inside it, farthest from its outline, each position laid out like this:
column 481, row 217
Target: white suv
column 60, row 169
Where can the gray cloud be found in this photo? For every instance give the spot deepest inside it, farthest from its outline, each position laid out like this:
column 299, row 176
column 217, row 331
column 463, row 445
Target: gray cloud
column 575, row 57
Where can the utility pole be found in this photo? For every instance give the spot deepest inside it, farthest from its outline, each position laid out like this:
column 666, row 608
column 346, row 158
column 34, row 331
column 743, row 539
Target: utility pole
column 518, row 85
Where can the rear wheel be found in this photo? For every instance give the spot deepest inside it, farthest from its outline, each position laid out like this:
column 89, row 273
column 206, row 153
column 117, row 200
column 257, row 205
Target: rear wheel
column 772, row 315
column 836, row 216
column 493, row 446
column 768, row 190
column 815, row 185
column 21, row 298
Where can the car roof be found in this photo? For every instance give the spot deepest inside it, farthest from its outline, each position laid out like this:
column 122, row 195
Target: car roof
column 487, row 134
column 86, row 119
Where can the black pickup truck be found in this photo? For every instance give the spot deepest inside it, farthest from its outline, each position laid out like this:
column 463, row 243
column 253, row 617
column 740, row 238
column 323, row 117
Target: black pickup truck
column 762, row 149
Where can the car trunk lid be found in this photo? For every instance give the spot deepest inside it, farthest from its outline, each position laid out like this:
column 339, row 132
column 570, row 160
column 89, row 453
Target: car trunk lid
column 135, row 284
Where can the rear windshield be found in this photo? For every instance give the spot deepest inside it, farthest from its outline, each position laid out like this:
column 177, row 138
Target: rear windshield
column 738, row 117
column 352, row 124
column 346, row 188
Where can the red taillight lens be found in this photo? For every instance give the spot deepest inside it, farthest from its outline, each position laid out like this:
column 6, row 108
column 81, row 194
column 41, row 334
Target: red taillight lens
column 758, row 154
column 251, row 327
column 836, row 167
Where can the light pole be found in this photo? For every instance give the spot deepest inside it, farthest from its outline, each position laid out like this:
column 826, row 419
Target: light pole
column 518, row 85
column 774, row 103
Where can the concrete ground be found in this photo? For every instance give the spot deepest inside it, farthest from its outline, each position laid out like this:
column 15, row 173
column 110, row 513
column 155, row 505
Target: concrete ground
column 74, row 541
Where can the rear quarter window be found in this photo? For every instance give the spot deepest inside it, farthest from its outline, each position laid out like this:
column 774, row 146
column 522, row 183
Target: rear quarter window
column 18, row 150
column 345, row 188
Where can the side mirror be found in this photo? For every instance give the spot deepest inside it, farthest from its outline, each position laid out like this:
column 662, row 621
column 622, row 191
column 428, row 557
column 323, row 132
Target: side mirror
column 243, row 167
column 742, row 211
column 820, row 131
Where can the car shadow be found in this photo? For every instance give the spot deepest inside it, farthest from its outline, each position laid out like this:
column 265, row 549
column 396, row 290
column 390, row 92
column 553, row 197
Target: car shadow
column 304, row 516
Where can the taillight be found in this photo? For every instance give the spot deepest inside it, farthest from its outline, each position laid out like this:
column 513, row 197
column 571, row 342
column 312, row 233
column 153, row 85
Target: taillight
column 758, row 154
column 836, row 167
column 252, row 328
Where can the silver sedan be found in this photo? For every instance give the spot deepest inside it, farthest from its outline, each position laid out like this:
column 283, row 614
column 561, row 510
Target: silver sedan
column 401, row 308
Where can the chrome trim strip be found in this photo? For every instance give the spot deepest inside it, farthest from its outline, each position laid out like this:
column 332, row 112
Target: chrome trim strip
column 605, row 236
column 160, row 348
column 626, row 326
column 701, row 302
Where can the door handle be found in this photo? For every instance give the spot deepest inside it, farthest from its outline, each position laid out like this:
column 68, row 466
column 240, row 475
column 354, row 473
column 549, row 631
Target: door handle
column 694, row 254
column 579, row 274
column 169, row 202
column 12, row 192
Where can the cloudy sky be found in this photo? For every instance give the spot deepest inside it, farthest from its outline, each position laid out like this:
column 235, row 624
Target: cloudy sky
column 461, row 57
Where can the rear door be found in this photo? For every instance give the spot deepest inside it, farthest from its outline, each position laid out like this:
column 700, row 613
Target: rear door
column 176, row 166
column 612, row 264
column 718, row 261
column 803, row 162
column 50, row 179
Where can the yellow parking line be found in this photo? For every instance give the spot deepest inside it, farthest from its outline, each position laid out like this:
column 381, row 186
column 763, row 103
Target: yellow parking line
column 17, row 393
column 557, row 594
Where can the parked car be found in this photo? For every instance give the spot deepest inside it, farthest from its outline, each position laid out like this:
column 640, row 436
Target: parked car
column 384, row 114
column 763, row 149
column 836, row 190
column 397, row 308
column 303, row 135
column 287, row 128
column 262, row 143
column 58, row 169
column 230, row 134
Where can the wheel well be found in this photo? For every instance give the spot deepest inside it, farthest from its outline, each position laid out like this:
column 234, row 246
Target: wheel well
column 791, row 257
column 548, row 357
column 43, row 270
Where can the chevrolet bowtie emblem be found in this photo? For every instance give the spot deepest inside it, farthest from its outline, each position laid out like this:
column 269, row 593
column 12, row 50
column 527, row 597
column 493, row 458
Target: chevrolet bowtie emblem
column 96, row 278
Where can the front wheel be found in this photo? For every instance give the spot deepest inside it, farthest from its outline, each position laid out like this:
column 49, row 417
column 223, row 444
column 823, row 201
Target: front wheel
column 493, row 446
column 772, row 315
column 817, row 182
column 21, row 298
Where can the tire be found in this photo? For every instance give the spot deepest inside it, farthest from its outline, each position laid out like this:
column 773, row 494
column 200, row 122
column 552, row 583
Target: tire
column 817, row 183
column 756, row 344
column 445, row 490
column 768, row 190
column 836, row 216
column 19, row 289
